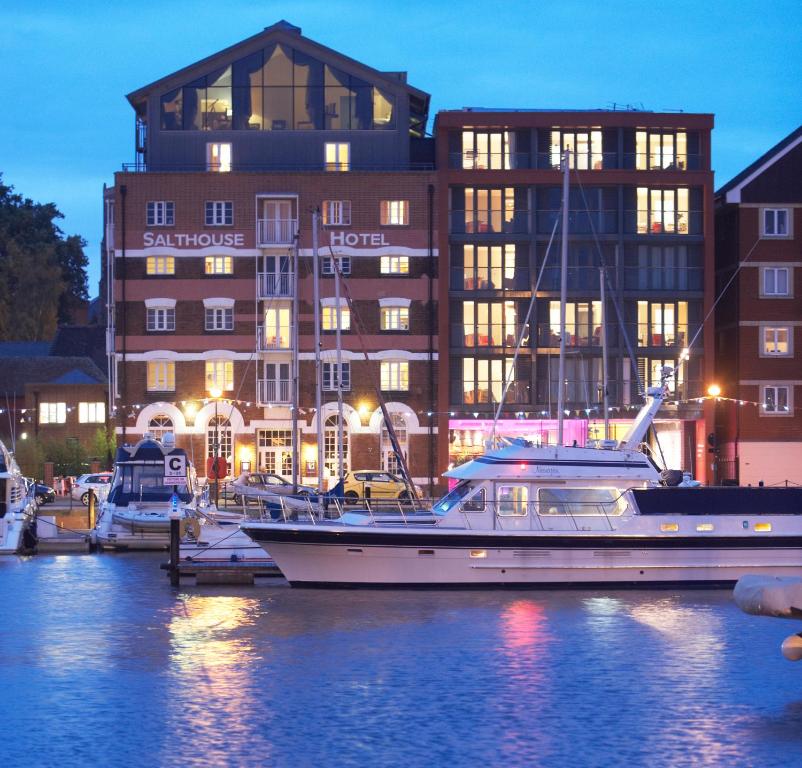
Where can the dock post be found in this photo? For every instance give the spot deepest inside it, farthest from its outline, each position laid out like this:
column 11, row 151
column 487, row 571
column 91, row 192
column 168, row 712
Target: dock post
column 91, row 509
column 174, row 548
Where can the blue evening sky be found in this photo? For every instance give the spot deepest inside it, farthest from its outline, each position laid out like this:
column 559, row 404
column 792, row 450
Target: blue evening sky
column 67, row 126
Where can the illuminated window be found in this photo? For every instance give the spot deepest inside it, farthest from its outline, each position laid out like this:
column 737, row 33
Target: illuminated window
column 511, row 500
column 776, row 341
column 491, row 210
column 219, row 265
column 52, row 413
column 582, row 324
column 161, row 376
column 704, row 527
column 489, row 323
column 328, row 318
column 662, row 211
column 160, row 213
column 661, row 150
column 650, row 371
column 775, row 222
column 479, row 553
column 276, row 331
column 336, row 212
column 395, row 376
column 219, row 213
column 483, row 381
column 763, row 527
column 662, row 324
column 775, row 281
column 160, row 318
column 395, row 318
column 394, row 212
column 488, row 267
column 669, row 527
column 91, row 413
column 337, row 156
column 218, row 157
column 585, row 147
column 219, row 375
column 160, row 265
column 394, row 265
column 776, row 400
column 482, row 150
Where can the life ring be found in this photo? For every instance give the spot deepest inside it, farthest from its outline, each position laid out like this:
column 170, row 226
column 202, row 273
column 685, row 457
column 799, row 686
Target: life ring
column 189, row 525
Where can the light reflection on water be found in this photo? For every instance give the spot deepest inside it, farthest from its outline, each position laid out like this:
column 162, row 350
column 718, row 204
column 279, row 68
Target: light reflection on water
column 102, row 663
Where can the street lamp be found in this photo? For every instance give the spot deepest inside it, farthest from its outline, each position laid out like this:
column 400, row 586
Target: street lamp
column 216, row 392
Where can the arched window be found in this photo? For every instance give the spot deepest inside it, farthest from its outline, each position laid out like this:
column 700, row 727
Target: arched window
column 390, row 460
column 331, row 439
column 160, row 425
column 218, row 431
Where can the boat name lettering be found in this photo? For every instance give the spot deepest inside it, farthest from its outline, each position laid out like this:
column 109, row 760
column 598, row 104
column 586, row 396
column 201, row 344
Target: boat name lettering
column 545, row 469
column 193, row 240
column 358, row 238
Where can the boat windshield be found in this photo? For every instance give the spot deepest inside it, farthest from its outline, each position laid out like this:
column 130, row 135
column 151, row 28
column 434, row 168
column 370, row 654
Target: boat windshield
column 454, row 496
column 143, row 482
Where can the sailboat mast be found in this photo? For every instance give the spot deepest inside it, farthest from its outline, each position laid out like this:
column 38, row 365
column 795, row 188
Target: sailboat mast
column 563, row 298
column 296, row 454
column 339, row 316
column 603, row 340
column 318, row 368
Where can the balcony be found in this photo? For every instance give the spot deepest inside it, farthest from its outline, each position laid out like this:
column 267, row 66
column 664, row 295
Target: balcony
column 271, row 232
column 490, row 335
column 274, row 340
column 580, row 222
column 502, row 222
column 581, row 161
column 488, row 161
column 273, row 391
column 549, row 337
column 491, row 279
column 644, row 222
column 273, row 285
column 489, row 393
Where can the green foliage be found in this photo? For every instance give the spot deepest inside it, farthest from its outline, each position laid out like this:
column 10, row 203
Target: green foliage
column 104, row 444
column 42, row 273
column 30, row 456
column 68, row 458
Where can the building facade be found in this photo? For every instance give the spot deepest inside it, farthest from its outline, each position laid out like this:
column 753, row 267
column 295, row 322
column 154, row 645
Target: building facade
column 641, row 206
column 758, row 319
column 211, row 247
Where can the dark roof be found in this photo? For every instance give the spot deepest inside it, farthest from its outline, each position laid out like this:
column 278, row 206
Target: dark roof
column 281, row 31
column 762, row 160
column 16, row 372
column 81, row 341
column 24, row 348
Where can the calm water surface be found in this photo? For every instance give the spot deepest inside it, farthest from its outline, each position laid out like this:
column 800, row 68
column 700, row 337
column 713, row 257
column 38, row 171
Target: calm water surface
column 102, row 663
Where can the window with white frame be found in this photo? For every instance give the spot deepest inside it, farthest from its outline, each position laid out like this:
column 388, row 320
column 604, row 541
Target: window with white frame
column 219, row 213
column 218, row 156
column 330, row 377
column 337, row 156
column 776, row 341
column 161, row 318
column 328, row 318
column 776, row 400
column 775, row 281
column 52, row 413
column 219, row 319
column 219, row 265
column 160, row 213
column 395, row 375
column 92, row 413
column 395, row 318
column 220, row 375
column 161, row 376
column 336, row 212
column 327, row 265
column 775, row 222
column 160, row 265
column 394, row 212
column 394, row 265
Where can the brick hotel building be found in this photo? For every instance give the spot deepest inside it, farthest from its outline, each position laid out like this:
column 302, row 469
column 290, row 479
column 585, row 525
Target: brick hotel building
column 641, row 203
column 209, row 254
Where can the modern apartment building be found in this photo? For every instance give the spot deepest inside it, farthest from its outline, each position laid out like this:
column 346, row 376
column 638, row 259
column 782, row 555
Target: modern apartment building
column 210, row 260
column 641, row 206
column 759, row 319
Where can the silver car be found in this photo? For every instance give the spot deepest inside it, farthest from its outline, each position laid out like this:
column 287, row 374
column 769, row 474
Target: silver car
column 98, row 482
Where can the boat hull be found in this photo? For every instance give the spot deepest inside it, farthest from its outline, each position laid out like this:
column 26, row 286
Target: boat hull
column 333, row 556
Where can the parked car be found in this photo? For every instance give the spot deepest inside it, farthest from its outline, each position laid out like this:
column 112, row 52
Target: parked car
column 374, row 484
column 98, row 482
column 267, row 481
column 43, row 494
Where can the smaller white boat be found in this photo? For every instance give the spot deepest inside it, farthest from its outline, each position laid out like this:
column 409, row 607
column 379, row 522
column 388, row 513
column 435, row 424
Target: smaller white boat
column 17, row 507
column 778, row 597
column 136, row 512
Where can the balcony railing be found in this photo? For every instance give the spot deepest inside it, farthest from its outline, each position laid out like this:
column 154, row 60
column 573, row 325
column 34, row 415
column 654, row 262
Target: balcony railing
column 271, row 285
column 488, row 161
column 506, row 222
column 581, row 161
column 643, row 222
column 575, row 337
column 273, row 391
column 275, row 231
column 491, row 279
column 644, row 161
column 494, row 335
column 487, row 394
column 274, row 339
column 580, row 222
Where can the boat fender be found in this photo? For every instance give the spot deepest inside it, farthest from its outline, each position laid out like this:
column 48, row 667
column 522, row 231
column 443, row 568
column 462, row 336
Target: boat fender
column 191, row 526
column 792, row 647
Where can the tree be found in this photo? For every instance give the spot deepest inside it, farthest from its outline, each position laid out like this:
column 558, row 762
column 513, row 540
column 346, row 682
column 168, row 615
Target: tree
column 104, row 444
column 42, row 273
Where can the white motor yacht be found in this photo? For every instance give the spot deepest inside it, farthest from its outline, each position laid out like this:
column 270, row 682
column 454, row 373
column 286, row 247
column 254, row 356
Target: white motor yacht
column 17, row 507
column 530, row 516
column 136, row 512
